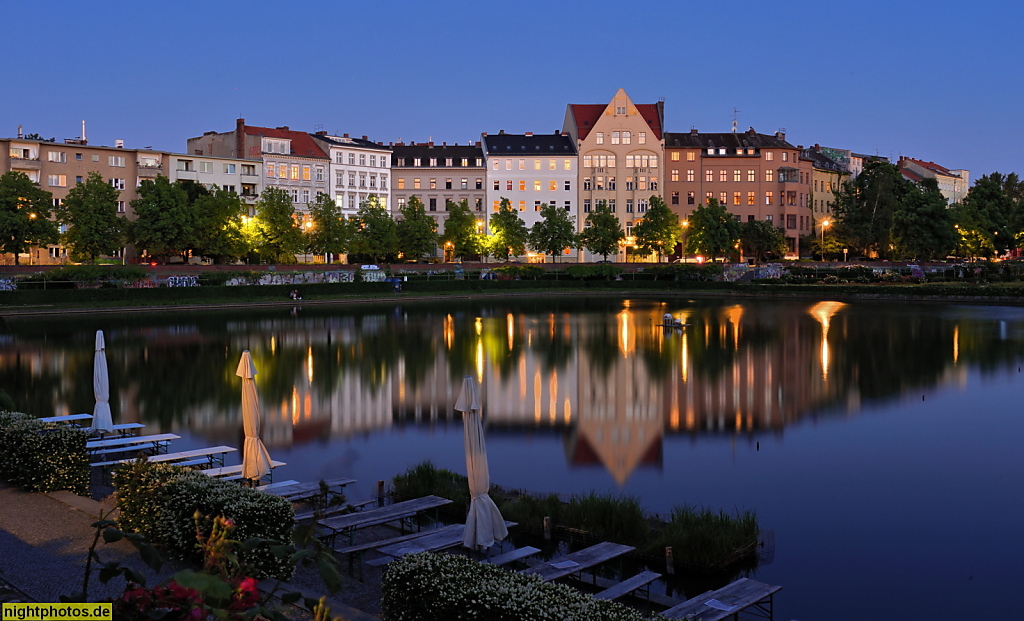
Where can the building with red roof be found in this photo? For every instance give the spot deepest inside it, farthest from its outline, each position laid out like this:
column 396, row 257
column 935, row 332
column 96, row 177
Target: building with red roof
column 953, row 184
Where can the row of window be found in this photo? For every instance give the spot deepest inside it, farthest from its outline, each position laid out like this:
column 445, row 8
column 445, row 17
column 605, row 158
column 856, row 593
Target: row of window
column 207, row 167
column 639, row 183
column 61, row 157
column 339, row 158
column 432, row 203
column 633, row 160
column 621, row 137
column 448, row 162
column 292, row 171
column 496, row 205
column 692, row 156
column 785, row 176
column 339, row 180
column 417, row 184
column 738, row 198
column 520, row 163
column 538, row 185
column 641, row 205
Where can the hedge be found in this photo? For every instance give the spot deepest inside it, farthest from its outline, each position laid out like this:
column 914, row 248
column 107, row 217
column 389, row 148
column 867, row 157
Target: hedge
column 43, row 457
column 162, row 501
column 446, row 587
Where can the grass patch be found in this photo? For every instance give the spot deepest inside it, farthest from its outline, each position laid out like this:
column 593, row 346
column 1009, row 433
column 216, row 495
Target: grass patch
column 426, row 479
column 704, row 539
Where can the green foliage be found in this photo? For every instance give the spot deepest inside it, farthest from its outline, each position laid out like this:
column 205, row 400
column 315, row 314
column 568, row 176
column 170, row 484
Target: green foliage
column 120, row 275
column 712, row 231
column 704, row 539
column 274, row 234
column 162, row 502
column 331, row 232
column 608, row 517
column 219, row 220
column 24, row 215
column 659, row 230
column 555, row 232
column 508, row 233
column 417, row 232
column 42, row 457
column 602, row 232
column 425, row 479
column 523, row 272
column 529, row 511
column 376, row 235
column 166, row 223
column 430, row 587
column 593, row 272
column 762, row 239
column 462, row 230
column 865, row 207
column 922, row 227
column 94, row 228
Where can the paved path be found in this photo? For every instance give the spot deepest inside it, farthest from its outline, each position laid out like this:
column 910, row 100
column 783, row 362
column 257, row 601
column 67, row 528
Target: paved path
column 44, row 540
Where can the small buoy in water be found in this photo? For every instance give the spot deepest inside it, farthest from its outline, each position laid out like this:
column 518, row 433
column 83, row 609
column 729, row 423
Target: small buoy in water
column 922, row 397
column 759, row 446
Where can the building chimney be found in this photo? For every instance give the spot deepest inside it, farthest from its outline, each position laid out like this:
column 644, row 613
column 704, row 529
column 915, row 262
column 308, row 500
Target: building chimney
column 21, row 132
column 501, row 132
column 118, row 143
column 365, row 138
column 529, row 134
column 693, row 131
column 484, row 134
column 239, row 139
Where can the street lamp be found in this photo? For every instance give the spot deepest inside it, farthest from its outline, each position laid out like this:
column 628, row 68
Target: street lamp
column 686, row 225
column 824, row 225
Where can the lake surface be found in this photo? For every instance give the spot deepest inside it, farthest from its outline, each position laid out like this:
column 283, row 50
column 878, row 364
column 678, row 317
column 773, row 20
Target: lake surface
column 880, row 442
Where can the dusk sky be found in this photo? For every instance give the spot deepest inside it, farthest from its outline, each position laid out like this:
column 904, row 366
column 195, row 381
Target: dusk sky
column 937, row 80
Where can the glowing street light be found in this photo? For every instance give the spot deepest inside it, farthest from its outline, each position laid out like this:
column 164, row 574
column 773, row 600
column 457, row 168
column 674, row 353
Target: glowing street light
column 824, row 225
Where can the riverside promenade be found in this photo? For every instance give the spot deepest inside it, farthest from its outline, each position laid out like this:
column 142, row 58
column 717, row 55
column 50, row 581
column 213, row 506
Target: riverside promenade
column 45, row 539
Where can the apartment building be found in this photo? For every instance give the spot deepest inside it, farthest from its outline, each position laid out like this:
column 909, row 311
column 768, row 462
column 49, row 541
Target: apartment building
column 755, row 176
column 58, row 167
column 292, row 160
column 827, row 174
column 620, row 147
column 359, row 168
column 243, row 177
column 437, row 175
column 953, row 183
column 531, row 170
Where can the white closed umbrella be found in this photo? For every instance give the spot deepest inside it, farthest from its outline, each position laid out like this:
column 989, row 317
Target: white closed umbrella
column 484, row 524
column 255, row 459
column 101, row 419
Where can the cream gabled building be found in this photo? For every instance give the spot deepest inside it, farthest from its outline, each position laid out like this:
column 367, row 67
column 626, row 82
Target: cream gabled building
column 620, row 147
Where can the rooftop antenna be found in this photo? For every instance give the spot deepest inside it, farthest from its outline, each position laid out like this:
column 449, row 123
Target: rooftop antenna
column 735, row 119
column 318, row 127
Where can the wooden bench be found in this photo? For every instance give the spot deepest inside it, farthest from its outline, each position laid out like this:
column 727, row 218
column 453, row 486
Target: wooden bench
column 728, row 601
column 124, row 429
column 401, row 512
column 641, row 581
column 356, row 550
column 579, row 561
column 440, row 539
column 311, row 490
column 326, row 512
column 511, row 557
column 233, row 473
column 192, row 457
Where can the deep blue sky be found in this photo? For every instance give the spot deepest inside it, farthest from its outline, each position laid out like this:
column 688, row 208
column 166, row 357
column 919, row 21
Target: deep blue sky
column 934, row 80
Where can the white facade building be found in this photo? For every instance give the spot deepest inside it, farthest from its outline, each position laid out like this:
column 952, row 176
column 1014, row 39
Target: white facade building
column 359, row 168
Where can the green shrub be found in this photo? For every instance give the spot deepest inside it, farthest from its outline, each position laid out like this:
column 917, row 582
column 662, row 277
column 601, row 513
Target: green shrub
column 529, row 511
column 608, row 517
column 602, row 271
column 163, row 502
column 685, row 271
column 425, row 479
column 432, row 587
column 524, row 272
column 43, row 457
column 701, row 538
column 119, row 275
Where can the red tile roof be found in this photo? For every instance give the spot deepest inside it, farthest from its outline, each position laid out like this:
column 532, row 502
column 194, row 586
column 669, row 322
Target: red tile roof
column 302, row 144
column 932, row 166
column 586, row 115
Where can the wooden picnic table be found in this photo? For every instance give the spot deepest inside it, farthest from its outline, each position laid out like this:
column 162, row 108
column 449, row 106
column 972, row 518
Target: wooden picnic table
column 727, row 601
column 578, row 561
column 235, row 472
column 73, row 419
column 130, row 443
column 348, row 523
column 440, row 539
column 124, row 429
column 311, row 490
column 195, row 457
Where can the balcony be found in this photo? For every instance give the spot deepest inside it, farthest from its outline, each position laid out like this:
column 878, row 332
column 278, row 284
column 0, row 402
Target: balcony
column 24, row 163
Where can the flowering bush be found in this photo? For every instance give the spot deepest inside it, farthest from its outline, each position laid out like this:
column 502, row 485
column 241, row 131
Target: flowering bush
column 162, row 501
column 42, row 457
column 429, row 587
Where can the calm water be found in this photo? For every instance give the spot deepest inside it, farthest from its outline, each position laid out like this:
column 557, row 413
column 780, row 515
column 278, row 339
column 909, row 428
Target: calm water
column 880, row 442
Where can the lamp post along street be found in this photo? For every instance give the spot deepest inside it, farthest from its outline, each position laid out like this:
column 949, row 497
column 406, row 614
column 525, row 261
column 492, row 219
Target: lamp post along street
column 824, row 224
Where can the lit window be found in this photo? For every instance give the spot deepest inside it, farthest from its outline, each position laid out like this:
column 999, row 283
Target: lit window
column 494, row 165
column 508, row 164
column 750, row 198
column 723, row 198
column 497, row 205
column 305, row 173
column 769, row 199
column 536, row 185
column 522, row 205
column 751, row 175
column 448, row 161
column 690, row 156
column 723, row 175
column 536, row 164
column 737, row 176
column 433, row 184
column 675, row 175
column 625, row 137
column 616, row 137
column 709, row 175
column 769, row 155
column 282, row 171
column 416, row 184
column 536, row 205
column 415, row 161
column 600, row 138
column 522, row 185
column 401, row 183
column 465, row 162
column 785, row 158
column 553, row 185
column 769, row 175
column 641, row 138
column 674, row 156
column 735, row 198
column 567, row 164
column 689, row 175
column 270, row 168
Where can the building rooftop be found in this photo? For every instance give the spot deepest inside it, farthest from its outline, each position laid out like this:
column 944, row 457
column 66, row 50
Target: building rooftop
column 528, row 144
column 729, row 140
column 302, row 143
column 586, row 116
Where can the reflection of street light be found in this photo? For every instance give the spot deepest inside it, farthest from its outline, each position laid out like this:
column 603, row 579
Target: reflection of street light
column 448, row 246
column 824, row 224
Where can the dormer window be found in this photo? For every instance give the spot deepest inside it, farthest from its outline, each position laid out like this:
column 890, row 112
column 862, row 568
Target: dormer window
column 276, row 146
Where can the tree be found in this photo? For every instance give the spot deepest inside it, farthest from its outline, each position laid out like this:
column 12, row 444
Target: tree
column 993, row 210
column 90, row 212
column 219, row 220
column 865, row 206
column 760, row 239
column 417, row 232
column 508, row 232
column 24, row 215
column 555, row 232
column 377, row 233
column 461, row 231
column 922, row 227
column 602, row 231
column 166, row 224
column 276, row 237
column 331, row 232
column 659, row 231
column 713, row 232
